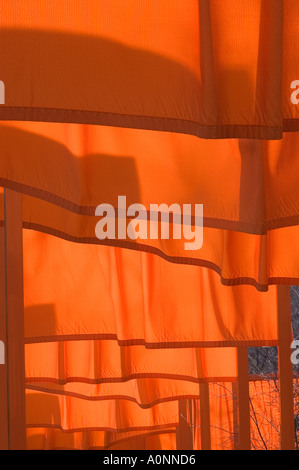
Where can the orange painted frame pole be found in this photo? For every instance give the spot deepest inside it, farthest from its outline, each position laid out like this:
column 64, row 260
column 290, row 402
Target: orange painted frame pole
column 285, row 368
column 15, row 356
column 243, row 399
column 184, row 434
column 3, row 367
column 205, row 423
column 235, row 413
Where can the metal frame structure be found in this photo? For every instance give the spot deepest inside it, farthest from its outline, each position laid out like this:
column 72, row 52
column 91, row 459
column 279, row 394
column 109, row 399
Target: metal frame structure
column 12, row 373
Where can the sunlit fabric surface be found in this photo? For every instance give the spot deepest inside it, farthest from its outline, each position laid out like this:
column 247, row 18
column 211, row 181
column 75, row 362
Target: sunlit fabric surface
column 164, row 65
column 158, row 102
column 79, row 291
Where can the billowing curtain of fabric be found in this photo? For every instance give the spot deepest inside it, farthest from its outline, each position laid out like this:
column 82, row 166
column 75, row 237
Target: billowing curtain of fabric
column 264, row 412
column 102, row 368
column 261, row 260
column 55, row 439
column 70, row 413
column 248, row 189
column 139, row 75
column 243, row 184
column 146, row 392
column 130, row 345
column 161, row 441
column 79, row 291
column 111, row 64
column 105, row 327
column 238, row 258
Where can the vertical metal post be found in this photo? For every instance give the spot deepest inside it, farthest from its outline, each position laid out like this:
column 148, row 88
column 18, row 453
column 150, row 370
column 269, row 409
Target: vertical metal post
column 243, row 399
column 285, row 369
column 205, row 424
column 3, row 339
column 15, row 357
column 184, row 434
column 235, row 414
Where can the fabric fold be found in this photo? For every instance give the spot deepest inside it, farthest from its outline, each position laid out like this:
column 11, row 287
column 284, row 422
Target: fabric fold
column 177, row 67
column 76, row 291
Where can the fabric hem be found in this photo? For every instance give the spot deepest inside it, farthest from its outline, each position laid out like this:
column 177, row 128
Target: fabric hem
column 154, row 123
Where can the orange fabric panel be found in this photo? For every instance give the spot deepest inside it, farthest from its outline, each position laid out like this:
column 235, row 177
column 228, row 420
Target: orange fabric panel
column 238, row 258
column 154, row 442
column 264, row 408
column 145, row 392
column 167, row 65
column 51, row 439
column 77, row 291
column 255, row 183
column 72, row 413
column 242, row 184
column 99, row 369
column 291, row 60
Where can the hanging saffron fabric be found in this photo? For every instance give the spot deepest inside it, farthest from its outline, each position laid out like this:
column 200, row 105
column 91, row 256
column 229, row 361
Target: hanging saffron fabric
column 243, row 184
column 249, row 229
column 99, row 101
column 79, row 291
column 166, row 65
column 55, row 439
